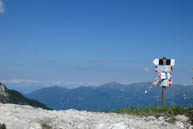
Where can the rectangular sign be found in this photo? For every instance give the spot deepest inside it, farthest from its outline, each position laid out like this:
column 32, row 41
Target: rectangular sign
column 164, row 62
column 167, row 82
column 164, row 68
column 163, row 75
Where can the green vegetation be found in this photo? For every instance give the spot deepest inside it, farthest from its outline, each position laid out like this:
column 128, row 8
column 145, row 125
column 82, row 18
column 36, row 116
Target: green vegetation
column 159, row 111
column 169, row 112
column 46, row 123
column 13, row 96
column 98, row 111
column 17, row 98
column 2, row 126
column 156, row 111
column 45, row 126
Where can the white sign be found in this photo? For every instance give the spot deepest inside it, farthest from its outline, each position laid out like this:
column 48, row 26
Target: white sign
column 167, row 82
column 163, row 75
column 172, row 62
column 163, row 68
column 158, row 61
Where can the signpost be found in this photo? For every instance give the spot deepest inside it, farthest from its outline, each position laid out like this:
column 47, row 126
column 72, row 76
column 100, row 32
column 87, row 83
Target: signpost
column 164, row 66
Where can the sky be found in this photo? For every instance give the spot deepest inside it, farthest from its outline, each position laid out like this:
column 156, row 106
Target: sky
column 91, row 42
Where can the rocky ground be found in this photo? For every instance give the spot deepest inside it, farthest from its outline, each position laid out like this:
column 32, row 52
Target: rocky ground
column 27, row 117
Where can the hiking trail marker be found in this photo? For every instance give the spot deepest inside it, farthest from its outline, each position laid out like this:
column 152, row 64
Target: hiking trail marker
column 164, row 67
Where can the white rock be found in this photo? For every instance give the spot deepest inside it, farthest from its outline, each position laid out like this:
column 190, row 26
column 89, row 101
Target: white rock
column 190, row 127
column 111, row 126
column 182, row 118
column 161, row 118
column 26, row 117
column 179, row 124
column 151, row 118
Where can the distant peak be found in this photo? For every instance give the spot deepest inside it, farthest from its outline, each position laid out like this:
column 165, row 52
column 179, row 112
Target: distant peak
column 54, row 87
column 112, row 84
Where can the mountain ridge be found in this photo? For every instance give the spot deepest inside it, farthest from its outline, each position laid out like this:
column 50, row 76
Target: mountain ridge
column 14, row 97
column 112, row 96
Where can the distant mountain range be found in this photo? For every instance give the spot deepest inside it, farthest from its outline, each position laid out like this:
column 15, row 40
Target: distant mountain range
column 111, row 96
column 14, row 97
column 28, row 88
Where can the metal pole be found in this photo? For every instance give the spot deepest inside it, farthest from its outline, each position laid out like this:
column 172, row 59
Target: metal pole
column 164, row 87
column 163, row 96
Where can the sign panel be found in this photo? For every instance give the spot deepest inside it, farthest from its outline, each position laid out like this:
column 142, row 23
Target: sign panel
column 164, row 62
column 167, row 82
column 156, row 61
column 163, row 68
column 163, row 75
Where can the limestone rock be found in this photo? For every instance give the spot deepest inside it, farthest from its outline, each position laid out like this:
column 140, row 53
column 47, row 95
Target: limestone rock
column 182, row 118
column 179, row 124
column 27, row 117
column 3, row 90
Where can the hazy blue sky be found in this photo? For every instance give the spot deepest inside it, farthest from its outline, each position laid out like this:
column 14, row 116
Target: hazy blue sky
column 78, row 42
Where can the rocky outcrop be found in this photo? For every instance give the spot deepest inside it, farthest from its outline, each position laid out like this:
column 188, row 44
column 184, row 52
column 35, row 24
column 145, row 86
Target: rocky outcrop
column 12, row 96
column 3, row 90
column 4, row 96
column 27, row 117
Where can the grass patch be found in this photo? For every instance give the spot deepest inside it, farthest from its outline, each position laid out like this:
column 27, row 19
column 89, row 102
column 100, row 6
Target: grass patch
column 155, row 111
column 97, row 111
column 2, row 126
column 45, row 126
column 169, row 112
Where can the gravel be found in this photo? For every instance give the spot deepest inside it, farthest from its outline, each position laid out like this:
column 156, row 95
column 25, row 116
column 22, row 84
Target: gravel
column 27, row 117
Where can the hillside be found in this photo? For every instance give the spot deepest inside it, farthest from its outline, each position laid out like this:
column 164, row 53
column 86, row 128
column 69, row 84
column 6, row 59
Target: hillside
column 27, row 117
column 111, row 96
column 12, row 96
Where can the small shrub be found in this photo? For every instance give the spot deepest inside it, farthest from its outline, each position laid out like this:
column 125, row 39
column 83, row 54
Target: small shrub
column 2, row 126
column 45, row 126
